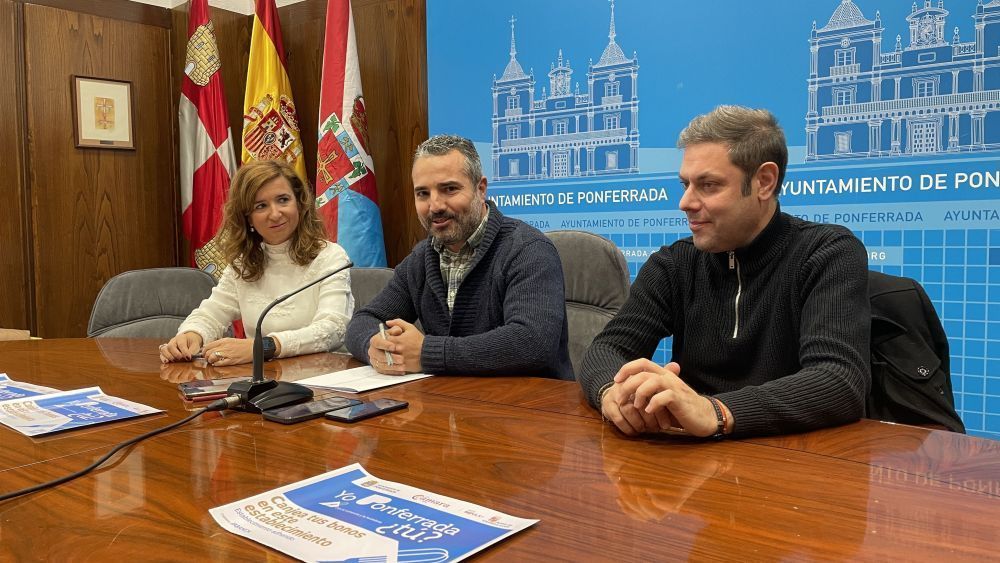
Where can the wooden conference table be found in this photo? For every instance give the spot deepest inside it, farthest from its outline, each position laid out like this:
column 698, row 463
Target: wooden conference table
column 527, row 447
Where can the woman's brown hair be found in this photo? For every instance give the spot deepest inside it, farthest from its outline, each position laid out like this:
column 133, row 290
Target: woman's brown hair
column 241, row 246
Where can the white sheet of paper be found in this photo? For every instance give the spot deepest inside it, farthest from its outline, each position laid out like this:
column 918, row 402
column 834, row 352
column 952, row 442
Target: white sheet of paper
column 358, row 380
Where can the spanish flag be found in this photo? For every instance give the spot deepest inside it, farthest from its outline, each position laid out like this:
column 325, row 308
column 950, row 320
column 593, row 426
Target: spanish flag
column 270, row 126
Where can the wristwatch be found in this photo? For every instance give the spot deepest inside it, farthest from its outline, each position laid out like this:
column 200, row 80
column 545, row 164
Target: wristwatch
column 269, row 348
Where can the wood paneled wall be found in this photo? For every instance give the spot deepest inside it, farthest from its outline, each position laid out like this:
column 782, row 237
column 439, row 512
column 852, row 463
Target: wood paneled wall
column 15, row 257
column 96, row 212
column 91, row 213
column 81, row 216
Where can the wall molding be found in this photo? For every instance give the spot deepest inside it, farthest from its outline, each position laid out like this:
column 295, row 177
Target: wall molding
column 244, row 7
column 124, row 10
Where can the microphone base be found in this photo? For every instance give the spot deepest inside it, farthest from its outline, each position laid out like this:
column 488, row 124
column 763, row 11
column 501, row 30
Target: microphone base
column 268, row 394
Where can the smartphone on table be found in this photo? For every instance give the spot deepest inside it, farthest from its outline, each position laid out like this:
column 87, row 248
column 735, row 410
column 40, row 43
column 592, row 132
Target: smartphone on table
column 207, row 389
column 307, row 411
column 366, row 409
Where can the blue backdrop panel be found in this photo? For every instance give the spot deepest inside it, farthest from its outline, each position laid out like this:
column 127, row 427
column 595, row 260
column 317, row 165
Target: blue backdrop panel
column 891, row 111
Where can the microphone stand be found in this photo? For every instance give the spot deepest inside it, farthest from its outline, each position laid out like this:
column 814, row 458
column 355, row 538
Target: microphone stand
column 259, row 394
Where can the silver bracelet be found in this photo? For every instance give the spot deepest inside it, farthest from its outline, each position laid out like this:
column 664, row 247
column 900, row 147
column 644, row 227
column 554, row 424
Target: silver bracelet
column 600, row 398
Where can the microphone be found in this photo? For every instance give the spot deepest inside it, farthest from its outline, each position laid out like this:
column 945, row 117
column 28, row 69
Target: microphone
column 259, row 394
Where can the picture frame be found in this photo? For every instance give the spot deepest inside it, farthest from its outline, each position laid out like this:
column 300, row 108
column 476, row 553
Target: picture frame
column 102, row 113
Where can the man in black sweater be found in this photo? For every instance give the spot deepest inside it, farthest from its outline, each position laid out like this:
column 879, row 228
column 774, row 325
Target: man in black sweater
column 487, row 289
column 769, row 313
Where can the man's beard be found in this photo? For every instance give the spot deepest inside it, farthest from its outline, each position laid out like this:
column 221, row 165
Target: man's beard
column 462, row 226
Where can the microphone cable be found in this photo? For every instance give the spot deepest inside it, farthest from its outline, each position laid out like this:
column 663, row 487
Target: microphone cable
column 217, row 405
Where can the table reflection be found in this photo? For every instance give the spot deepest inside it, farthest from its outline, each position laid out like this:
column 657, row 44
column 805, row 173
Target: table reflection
column 718, row 494
column 653, row 498
column 288, row 369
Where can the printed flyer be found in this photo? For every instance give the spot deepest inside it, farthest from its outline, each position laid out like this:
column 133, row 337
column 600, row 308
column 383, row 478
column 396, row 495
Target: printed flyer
column 10, row 389
column 65, row 410
column 350, row 515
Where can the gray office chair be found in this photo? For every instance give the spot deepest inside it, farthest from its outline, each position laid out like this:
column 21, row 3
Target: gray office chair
column 366, row 283
column 597, row 282
column 148, row 303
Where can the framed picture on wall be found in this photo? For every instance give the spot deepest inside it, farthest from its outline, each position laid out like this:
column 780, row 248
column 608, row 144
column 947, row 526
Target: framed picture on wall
column 102, row 113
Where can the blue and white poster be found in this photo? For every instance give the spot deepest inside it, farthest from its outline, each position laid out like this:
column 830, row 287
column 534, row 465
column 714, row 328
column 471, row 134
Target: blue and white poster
column 350, row 515
column 891, row 111
column 10, row 389
column 65, row 410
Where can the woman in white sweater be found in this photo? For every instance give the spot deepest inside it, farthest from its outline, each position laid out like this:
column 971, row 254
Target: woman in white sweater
column 275, row 242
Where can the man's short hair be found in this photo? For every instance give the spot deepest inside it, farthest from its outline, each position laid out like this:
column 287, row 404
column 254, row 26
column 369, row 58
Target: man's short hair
column 440, row 145
column 752, row 135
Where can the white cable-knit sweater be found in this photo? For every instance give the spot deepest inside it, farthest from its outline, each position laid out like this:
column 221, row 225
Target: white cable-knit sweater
column 312, row 321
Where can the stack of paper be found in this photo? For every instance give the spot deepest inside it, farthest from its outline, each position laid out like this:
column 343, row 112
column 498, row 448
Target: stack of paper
column 358, row 380
column 33, row 410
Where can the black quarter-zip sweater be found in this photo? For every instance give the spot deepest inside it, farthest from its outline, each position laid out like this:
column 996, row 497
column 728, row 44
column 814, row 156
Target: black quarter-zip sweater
column 777, row 330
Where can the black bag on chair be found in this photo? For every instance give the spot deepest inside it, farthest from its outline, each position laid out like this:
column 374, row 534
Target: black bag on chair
column 911, row 375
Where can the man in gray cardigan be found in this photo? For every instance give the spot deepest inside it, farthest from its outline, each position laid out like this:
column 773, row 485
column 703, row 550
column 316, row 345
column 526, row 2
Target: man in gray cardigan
column 487, row 289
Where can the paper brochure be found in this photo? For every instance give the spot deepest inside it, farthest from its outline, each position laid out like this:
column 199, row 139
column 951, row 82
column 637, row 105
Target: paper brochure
column 55, row 412
column 350, row 515
column 10, row 389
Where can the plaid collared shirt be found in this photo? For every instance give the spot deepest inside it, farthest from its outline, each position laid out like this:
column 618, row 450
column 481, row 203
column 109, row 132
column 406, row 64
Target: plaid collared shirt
column 455, row 265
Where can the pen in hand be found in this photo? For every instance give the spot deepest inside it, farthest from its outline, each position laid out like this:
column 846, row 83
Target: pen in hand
column 388, row 356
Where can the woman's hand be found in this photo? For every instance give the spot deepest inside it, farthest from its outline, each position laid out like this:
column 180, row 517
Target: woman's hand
column 180, row 348
column 229, row 351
